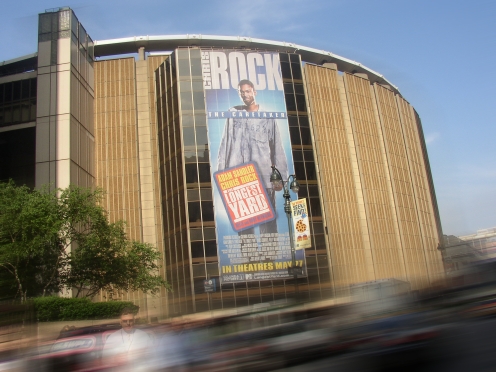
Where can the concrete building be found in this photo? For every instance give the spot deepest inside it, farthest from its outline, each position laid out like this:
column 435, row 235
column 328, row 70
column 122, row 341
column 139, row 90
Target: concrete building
column 467, row 250
column 140, row 122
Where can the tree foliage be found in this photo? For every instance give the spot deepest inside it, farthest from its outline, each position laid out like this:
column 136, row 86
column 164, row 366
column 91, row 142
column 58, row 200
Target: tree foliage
column 30, row 247
column 57, row 239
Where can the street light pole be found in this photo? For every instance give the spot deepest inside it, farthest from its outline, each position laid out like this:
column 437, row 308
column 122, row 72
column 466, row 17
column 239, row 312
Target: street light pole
column 279, row 184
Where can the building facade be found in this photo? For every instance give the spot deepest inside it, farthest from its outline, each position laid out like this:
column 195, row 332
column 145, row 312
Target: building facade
column 468, row 250
column 141, row 123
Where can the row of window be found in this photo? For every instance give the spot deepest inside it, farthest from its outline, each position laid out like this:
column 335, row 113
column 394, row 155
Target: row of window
column 16, row 91
column 17, row 113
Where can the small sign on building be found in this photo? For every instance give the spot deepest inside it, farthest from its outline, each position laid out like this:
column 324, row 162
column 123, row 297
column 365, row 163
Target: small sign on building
column 210, row 285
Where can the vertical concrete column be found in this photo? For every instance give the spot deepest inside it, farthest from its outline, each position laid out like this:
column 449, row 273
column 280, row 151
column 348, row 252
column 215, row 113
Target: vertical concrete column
column 354, row 158
column 392, row 192
column 64, row 117
column 64, row 120
column 53, row 103
column 147, row 192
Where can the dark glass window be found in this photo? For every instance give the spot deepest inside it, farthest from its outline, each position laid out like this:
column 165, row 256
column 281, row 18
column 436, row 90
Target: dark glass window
column 194, row 211
column 283, row 57
column 191, row 173
column 198, row 269
column 16, row 113
column 319, row 242
column 318, row 228
column 293, row 121
column 7, row 114
column 304, row 121
column 311, row 173
column 294, row 58
column 297, row 155
column 322, row 260
column 305, row 136
column 295, row 135
column 300, row 103
column 25, row 89
column 211, row 248
column 240, row 286
column 197, row 249
column 324, row 276
column 290, row 102
column 212, row 268
column 313, row 191
column 299, row 170
column 8, row 92
column 204, row 169
column 17, row 90
column 315, row 207
column 298, row 88
column 303, row 192
column 25, row 111
column 227, row 286
column 313, row 276
column 208, row 210
column 288, row 88
column 311, row 262
column 308, row 155
column 296, row 69
column 285, row 70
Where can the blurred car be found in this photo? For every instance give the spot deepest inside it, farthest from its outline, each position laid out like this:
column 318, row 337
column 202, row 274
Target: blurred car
column 78, row 349
column 394, row 341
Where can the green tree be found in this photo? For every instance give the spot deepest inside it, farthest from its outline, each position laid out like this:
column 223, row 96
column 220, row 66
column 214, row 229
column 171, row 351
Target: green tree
column 102, row 257
column 48, row 242
column 31, row 251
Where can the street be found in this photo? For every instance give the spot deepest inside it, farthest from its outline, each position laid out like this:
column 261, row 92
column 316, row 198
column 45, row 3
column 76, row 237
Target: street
column 465, row 346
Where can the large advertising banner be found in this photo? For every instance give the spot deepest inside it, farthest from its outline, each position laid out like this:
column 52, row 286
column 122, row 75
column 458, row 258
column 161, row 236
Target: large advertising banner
column 248, row 133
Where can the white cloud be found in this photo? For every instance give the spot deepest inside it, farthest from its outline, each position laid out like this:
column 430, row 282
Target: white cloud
column 431, row 137
column 254, row 18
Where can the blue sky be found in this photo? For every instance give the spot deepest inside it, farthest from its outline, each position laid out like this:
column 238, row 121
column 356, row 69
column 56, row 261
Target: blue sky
column 441, row 54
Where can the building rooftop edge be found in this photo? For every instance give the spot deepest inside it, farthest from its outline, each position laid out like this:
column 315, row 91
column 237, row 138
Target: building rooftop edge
column 170, row 42
column 18, row 59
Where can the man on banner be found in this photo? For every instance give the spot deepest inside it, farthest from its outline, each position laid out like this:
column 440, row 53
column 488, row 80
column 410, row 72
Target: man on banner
column 253, row 139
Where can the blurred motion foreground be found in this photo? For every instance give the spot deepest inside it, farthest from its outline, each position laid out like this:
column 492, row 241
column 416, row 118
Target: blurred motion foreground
column 444, row 328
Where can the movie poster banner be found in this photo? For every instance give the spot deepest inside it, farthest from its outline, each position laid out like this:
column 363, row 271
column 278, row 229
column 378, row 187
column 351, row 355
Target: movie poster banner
column 301, row 225
column 248, row 133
